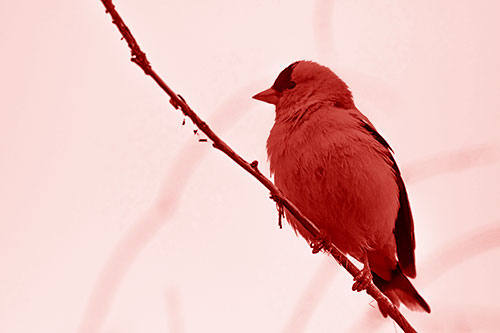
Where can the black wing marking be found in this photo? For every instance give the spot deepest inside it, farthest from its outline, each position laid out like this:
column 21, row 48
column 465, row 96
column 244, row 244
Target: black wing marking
column 403, row 231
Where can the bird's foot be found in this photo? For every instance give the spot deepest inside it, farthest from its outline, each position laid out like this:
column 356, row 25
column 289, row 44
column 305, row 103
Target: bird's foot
column 320, row 243
column 363, row 279
column 317, row 245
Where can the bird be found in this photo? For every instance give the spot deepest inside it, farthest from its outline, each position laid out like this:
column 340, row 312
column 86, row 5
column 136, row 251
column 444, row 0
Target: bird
column 330, row 161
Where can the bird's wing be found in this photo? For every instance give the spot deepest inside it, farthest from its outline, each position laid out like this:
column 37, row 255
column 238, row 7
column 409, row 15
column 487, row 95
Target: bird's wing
column 403, row 231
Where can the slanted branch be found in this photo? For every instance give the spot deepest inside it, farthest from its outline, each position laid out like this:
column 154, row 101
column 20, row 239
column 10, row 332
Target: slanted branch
column 140, row 58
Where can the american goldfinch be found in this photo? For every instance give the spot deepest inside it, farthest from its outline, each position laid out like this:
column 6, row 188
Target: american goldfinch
column 330, row 161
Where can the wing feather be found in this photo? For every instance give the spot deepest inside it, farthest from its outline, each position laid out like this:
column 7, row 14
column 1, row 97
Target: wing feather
column 403, row 230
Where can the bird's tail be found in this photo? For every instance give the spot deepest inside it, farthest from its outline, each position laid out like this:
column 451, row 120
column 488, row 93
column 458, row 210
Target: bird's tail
column 400, row 290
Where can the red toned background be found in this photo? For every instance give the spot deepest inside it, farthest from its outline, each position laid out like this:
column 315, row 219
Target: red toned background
column 114, row 218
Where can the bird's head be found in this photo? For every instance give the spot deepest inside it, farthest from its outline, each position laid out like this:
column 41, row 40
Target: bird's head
column 304, row 83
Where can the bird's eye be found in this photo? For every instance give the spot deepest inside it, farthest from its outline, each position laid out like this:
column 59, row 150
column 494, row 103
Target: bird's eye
column 291, row 85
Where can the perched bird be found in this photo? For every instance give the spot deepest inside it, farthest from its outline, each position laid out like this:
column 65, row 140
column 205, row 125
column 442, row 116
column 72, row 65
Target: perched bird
column 329, row 160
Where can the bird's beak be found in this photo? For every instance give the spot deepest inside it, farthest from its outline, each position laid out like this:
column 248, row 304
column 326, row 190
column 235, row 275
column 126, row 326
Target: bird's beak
column 270, row 96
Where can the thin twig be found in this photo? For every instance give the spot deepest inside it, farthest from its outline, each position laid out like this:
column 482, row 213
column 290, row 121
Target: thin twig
column 128, row 248
column 139, row 58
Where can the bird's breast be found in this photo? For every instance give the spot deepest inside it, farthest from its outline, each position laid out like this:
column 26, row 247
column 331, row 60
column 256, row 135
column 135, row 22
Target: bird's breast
column 337, row 176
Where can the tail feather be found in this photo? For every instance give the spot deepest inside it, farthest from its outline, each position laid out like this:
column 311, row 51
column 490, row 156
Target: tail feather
column 400, row 290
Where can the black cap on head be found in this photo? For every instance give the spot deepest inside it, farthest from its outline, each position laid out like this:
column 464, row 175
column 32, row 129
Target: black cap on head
column 284, row 79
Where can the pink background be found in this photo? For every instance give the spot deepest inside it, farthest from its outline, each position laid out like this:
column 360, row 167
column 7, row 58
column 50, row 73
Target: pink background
column 114, row 218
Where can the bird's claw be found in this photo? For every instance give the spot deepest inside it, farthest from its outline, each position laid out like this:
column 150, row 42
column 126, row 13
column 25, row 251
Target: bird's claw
column 320, row 243
column 317, row 245
column 362, row 280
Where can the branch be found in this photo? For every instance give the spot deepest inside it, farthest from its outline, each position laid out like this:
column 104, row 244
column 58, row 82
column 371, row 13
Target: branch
column 139, row 58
